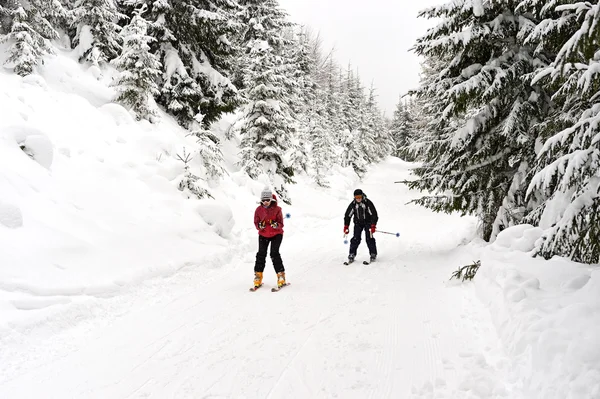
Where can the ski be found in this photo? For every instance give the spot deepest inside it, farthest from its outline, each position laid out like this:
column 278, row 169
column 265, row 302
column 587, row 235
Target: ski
column 366, row 262
column 255, row 288
column 275, row 289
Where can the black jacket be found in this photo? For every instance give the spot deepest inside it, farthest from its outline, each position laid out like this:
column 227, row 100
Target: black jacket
column 364, row 213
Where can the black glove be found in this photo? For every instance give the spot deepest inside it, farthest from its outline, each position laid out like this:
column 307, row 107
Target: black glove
column 261, row 224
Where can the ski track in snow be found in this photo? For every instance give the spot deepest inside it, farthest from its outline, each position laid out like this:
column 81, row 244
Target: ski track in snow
column 395, row 328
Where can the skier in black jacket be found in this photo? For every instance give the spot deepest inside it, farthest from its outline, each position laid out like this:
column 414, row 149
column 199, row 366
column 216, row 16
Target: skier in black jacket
column 365, row 218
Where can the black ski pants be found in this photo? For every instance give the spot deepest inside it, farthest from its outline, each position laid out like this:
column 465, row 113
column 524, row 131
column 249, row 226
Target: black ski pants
column 261, row 255
column 355, row 240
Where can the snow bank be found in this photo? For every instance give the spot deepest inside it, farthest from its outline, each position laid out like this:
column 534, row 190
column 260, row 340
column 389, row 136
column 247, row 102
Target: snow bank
column 217, row 215
column 88, row 198
column 520, row 238
column 31, row 141
column 547, row 314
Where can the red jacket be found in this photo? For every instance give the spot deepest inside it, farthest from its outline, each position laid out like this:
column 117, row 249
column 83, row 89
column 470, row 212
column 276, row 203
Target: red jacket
column 269, row 214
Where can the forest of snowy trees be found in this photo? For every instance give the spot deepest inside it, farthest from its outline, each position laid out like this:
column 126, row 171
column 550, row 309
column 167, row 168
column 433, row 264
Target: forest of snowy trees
column 199, row 59
column 505, row 123
column 510, row 99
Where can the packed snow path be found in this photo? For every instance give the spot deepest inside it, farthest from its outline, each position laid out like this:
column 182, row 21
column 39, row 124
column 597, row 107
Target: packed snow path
column 392, row 329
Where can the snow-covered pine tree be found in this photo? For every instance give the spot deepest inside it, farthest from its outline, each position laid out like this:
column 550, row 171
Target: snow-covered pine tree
column 139, row 70
column 375, row 129
column 96, row 35
column 29, row 31
column 314, row 120
column 566, row 187
column 352, row 155
column 302, row 96
column 205, row 30
column 484, row 105
column 333, row 101
column 402, row 131
column 190, row 183
column 427, row 142
column 5, row 17
column 209, row 150
column 352, row 98
column 356, row 146
column 268, row 127
column 321, row 139
column 194, row 40
column 180, row 92
column 159, row 26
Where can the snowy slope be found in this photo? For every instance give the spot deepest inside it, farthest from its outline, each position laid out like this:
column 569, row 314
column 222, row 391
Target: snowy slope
column 98, row 206
column 113, row 285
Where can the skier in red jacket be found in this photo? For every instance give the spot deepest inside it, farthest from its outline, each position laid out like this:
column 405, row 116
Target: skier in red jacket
column 268, row 220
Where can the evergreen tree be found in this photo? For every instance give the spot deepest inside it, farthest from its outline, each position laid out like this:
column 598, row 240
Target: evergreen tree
column 352, row 154
column 480, row 145
column 209, row 151
column 180, row 93
column 30, row 30
column 566, row 188
column 351, row 101
column 268, row 126
column 318, row 120
column 402, row 131
column 302, row 96
column 5, row 17
column 190, row 183
column 321, row 139
column 139, row 70
column 97, row 32
column 156, row 14
column 205, row 30
column 194, row 42
column 333, row 100
column 357, row 145
column 375, row 128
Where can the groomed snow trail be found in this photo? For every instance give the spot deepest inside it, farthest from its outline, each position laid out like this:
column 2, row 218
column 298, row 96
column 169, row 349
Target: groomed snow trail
column 392, row 329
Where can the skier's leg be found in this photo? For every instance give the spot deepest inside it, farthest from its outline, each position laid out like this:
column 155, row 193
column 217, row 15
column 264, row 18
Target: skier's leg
column 276, row 258
column 355, row 240
column 371, row 243
column 261, row 255
column 275, row 255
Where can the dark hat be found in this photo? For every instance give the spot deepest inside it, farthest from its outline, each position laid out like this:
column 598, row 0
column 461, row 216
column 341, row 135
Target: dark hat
column 358, row 191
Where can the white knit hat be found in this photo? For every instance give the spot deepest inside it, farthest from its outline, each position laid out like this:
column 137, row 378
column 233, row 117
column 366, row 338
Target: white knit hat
column 266, row 194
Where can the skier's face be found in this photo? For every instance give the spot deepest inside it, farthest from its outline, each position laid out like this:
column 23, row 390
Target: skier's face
column 266, row 202
column 358, row 198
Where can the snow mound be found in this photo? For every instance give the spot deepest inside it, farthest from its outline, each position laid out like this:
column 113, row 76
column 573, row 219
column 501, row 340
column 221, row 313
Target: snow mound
column 520, row 238
column 10, row 216
column 118, row 114
column 32, row 141
column 547, row 315
column 217, row 215
column 35, row 80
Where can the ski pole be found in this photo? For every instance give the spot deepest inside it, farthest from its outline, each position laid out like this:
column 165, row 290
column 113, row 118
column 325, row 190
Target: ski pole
column 387, row 232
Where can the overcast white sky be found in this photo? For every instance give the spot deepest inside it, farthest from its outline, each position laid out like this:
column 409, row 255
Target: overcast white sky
column 373, row 35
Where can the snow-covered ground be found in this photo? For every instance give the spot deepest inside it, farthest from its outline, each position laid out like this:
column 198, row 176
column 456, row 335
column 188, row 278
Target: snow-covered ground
column 113, row 285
